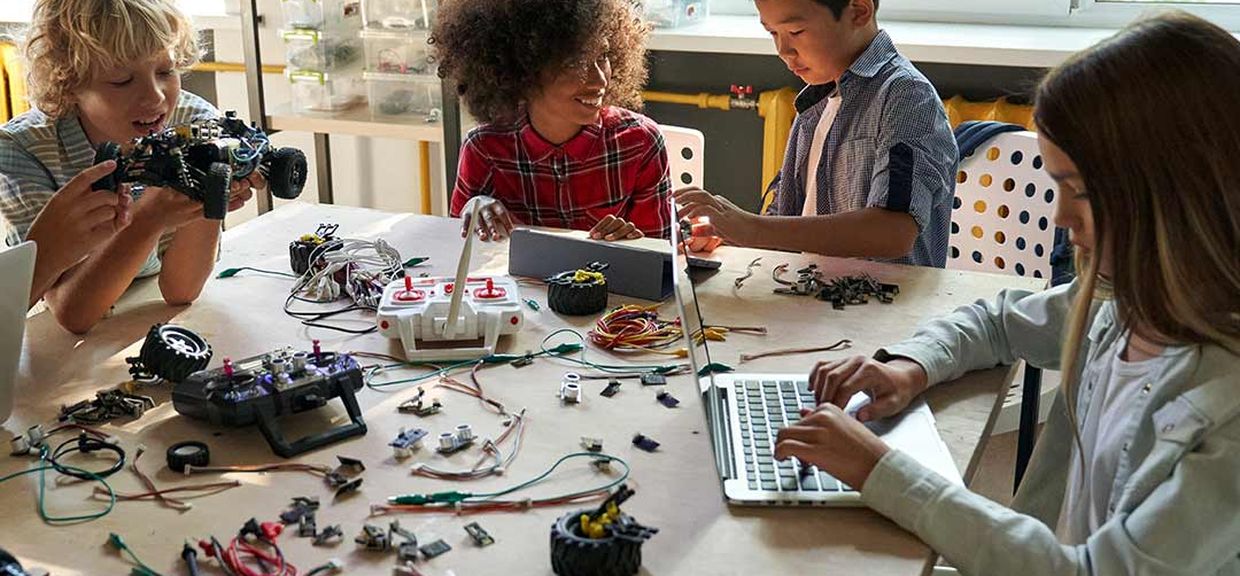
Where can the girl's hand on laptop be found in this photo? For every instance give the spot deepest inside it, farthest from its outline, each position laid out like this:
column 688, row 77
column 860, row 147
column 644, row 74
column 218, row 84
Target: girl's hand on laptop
column 727, row 219
column 612, row 228
column 835, row 442
column 890, row 385
column 77, row 219
column 494, row 220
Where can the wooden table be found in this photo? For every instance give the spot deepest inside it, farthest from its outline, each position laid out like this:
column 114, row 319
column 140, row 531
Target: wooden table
column 677, row 490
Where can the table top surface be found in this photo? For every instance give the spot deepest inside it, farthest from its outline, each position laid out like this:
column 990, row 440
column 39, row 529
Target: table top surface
column 677, row 486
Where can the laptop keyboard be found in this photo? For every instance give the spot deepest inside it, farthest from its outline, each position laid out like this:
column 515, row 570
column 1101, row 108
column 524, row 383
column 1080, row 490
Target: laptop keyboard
column 764, row 408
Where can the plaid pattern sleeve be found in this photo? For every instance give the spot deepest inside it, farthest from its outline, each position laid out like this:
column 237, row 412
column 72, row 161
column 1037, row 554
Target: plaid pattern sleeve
column 616, row 167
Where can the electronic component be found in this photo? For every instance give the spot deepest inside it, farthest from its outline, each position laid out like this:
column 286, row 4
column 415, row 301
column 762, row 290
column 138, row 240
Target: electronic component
column 107, row 405
column 306, row 526
column 416, row 406
column 452, row 442
column 645, row 443
column 171, row 353
column 329, row 535
column 349, row 487
column 406, row 442
column 374, row 539
column 436, row 548
column 260, row 389
column 202, row 159
column 666, row 399
column 592, row 444
column 300, row 507
column 480, row 536
column 301, row 250
column 578, row 292
column 188, row 453
column 570, row 388
column 613, row 386
column 604, row 541
column 652, row 379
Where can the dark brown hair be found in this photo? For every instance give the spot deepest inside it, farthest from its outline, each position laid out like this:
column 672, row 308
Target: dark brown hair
column 1149, row 118
column 837, row 6
column 496, row 52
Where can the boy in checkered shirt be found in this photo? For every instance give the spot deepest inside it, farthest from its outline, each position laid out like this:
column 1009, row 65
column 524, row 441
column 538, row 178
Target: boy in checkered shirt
column 550, row 80
column 104, row 71
column 871, row 160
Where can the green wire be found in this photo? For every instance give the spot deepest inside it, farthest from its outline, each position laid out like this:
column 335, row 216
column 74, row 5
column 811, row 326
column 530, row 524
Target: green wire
column 559, row 351
column 614, row 368
column 549, row 471
column 141, row 569
column 230, row 272
column 66, row 519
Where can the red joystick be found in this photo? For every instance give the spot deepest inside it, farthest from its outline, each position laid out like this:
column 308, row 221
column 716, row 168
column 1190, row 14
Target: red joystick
column 409, row 295
column 490, row 292
column 318, row 352
column 228, row 368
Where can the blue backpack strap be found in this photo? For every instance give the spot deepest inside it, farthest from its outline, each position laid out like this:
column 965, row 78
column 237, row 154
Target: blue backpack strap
column 970, row 135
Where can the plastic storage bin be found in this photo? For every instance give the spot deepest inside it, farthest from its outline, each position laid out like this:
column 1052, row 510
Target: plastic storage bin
column 675, row 13
column 397, row 52
column 399, row 14
column 318, row 51
column 324, row 15
column 403, row 94
column 325, row 91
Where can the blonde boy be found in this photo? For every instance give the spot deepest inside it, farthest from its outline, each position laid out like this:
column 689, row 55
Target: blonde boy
column 104, row 70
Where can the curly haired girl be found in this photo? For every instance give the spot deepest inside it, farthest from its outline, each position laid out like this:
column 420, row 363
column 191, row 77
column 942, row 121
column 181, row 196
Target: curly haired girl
column 551, row 81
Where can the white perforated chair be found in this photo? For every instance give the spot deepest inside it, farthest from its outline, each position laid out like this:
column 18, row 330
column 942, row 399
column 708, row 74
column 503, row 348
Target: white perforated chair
column 684, row 155
column 1001, row 222
column 1001, row 216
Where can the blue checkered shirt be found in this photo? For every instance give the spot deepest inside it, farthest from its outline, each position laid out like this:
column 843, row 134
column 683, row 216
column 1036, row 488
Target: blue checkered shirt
column 889, row 147
column 39, row 155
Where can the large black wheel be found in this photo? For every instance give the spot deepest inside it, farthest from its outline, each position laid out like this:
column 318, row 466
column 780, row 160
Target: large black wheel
column 215, row 191
column 573, row 554
column 108, row 151
column 171, row 353
column 286, row 172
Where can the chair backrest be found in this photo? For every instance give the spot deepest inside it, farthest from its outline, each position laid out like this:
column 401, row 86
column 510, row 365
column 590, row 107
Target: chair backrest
column 1001, row 216
column 684, row 155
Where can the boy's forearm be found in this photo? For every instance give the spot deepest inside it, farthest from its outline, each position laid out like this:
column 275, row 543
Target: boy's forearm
column 188, row 261
column 85, row 292
column 869, row 232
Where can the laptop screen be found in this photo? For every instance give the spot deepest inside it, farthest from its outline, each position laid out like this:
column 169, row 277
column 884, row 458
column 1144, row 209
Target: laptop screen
column 699, row 354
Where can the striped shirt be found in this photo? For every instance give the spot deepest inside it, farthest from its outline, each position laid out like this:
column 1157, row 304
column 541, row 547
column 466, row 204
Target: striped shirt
column 890, row 146
column 615, row 167
column 39, row 155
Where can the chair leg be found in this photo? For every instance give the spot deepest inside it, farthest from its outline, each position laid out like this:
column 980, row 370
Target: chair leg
column 1031, row 391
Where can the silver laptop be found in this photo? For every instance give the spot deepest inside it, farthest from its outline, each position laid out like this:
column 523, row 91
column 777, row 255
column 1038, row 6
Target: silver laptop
column 17, row 270
column 745, row 412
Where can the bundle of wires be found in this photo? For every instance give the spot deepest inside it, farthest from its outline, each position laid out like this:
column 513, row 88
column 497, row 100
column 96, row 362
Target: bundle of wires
column 241, row 551
column 363, row 267
column 514, row 429
column 48, row 462
column 471, row 503
column 634, row 328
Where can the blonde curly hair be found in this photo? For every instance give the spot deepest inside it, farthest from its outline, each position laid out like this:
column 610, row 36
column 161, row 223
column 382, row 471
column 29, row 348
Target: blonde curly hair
column 71, row 40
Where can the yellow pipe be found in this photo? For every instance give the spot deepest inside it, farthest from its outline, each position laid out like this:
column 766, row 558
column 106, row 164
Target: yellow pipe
column 235, row 67
column 701, row 99
column 424, row 174
column 777, row 108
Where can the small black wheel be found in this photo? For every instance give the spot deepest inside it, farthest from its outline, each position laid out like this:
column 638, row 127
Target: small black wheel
column 172, row 353
column 578, row 292
column 286, row 172
column 215, row 191
column 573, row 554
column 108, row 151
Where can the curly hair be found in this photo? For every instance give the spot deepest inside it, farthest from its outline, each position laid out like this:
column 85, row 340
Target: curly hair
column 70, row 40
column 497, row 51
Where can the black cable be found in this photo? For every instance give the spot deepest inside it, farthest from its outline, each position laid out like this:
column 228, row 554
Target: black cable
column 191, row 559
column 86, row 444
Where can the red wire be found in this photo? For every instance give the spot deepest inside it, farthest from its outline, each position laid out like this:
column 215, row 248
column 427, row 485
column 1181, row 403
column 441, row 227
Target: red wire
column 232, row 557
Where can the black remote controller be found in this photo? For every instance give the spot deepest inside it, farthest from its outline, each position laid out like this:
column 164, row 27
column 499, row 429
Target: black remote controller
column 260, row 389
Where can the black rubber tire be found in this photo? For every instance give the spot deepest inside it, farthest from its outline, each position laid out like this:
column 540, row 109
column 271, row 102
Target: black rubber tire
column 286, row 172
column 174, row 352
column 108, row 151
column 575, row 555
column 216, row 188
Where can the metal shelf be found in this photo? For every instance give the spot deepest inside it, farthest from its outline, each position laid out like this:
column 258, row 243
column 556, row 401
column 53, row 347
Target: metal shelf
column 356, row 121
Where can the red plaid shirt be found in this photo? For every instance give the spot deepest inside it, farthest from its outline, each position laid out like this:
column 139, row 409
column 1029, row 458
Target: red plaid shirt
column 617, row 167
